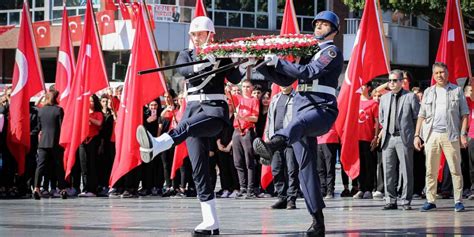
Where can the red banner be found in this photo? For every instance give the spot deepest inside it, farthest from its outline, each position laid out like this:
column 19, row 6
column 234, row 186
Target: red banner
column 75, row 27
column 42, row 32
column 106, row 21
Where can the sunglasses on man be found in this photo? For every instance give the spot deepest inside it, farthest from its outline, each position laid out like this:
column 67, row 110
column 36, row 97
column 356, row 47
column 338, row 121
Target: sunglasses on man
column 393, row 80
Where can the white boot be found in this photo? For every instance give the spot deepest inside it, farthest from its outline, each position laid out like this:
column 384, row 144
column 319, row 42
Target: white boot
column 151, row 146
column 210, row 224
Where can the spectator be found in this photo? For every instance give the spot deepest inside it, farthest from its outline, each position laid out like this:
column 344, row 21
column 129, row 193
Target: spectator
column 442, row 123
column 368, row 128
column 49, row 151
column 106, row 151
column 227, row 172
column 164, row 125
column 244, row 133
column 398, row 113
column 284, row 165
column 88, row 150
column 470, row 162
column 328, row 147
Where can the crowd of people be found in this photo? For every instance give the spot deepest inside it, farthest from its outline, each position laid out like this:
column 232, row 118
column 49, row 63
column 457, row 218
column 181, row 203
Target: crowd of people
column 402, row 133
column 385, row 168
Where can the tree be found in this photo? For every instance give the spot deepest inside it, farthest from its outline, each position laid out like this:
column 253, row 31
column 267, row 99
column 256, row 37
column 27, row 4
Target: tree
column 430, row 10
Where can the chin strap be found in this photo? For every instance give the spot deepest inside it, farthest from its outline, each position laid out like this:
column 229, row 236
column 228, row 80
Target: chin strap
column 322, row 37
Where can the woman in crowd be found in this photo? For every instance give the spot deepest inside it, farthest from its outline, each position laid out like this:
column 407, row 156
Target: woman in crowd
column 50, row 117
column 165, row 124
column 88, row 150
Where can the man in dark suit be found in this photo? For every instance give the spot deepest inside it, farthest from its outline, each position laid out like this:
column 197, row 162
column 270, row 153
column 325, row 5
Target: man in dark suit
column 205, row 116
column 398, row 113
column 50, row 118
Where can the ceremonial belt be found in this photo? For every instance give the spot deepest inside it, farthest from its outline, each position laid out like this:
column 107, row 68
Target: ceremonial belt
column 316, row 88
column 203, row 97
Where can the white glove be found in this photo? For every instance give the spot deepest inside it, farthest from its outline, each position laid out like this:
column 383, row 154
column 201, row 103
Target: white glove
column 272, row 59
column 211, row 58
column 199, row 67
column 251, row 62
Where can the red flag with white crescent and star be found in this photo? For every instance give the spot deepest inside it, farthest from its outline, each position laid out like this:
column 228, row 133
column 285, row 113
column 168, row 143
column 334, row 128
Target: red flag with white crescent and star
column 89, row 78
column 66, row 65
column 27, row 81
column 138, row 90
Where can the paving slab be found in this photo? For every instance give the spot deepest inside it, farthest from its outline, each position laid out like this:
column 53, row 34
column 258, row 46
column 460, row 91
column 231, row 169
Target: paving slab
column 154, row 216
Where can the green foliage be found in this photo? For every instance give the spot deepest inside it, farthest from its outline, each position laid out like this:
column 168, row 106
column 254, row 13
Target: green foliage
column 434, row 10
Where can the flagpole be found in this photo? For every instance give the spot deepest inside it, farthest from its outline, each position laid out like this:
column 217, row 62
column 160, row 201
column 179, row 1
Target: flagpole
column 157, row 52
column 97, row 34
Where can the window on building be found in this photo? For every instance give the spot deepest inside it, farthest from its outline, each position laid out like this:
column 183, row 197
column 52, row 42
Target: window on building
column 305, row 12
column 239, row 13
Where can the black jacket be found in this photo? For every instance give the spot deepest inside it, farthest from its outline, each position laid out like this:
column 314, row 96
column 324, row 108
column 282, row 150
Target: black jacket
column 215, row 108
column 50, row 118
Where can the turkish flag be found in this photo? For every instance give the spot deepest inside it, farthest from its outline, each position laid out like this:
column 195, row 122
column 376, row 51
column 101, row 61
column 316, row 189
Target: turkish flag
column 133, row 10
column 75, row 27
column 124, row 11
column 452, row 51
column 138, row 90
column 27, row 81
column 288, row 26
column 109, row 5
column 106, row 21
column 66, row 64
column 199, row 9
column 42, row 31
column 89, row 78
column 181, row 150
column 368, row 60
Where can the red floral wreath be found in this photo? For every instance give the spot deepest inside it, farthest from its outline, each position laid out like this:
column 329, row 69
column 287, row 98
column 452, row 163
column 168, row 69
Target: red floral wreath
column 297, row 45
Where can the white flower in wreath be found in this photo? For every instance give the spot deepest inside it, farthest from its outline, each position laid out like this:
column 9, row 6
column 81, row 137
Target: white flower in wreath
column 260, row 41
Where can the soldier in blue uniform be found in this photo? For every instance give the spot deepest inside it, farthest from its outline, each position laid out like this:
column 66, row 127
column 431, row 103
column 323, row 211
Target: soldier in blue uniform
column 315, row 110
column 206, row 114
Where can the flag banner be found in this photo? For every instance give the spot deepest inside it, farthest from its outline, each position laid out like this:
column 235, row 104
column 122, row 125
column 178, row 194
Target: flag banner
column 27, row 81
column 137, row 92
column 66, row 63
column 106, row 20
column 75, row 26
column 368, row 60
column 42, row 31
column 90, row 77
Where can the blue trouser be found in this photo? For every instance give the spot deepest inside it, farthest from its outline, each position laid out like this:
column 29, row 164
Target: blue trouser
column 196, row 130
column 301, row 134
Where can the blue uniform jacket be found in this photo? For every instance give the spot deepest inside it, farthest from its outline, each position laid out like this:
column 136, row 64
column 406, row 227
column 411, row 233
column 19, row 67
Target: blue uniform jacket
column 215, row 108
column 325, row 66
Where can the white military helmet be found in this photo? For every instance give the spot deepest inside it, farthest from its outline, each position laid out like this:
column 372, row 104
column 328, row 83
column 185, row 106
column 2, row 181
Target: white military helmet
column 201, row 23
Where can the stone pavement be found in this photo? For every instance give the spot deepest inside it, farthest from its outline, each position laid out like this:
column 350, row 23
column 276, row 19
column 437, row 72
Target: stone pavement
column 154, row 216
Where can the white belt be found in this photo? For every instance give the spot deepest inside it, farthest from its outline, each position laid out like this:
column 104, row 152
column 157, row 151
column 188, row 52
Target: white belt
column 201, row 97
column 317, row 88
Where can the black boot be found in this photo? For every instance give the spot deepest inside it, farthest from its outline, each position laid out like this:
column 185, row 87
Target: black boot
column 317, row 228
column 280, row 204
column 266, row 149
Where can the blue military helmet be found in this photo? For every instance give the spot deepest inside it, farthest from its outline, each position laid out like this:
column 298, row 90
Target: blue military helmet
column 328, row 16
